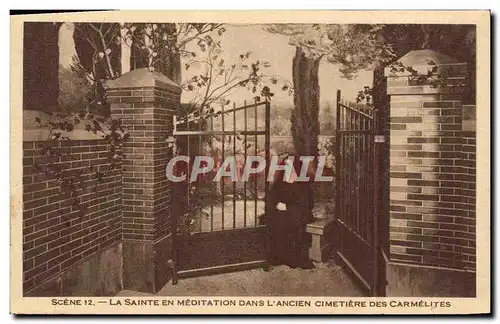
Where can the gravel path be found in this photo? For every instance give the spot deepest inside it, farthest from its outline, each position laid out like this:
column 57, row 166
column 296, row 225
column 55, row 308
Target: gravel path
column 327, row 279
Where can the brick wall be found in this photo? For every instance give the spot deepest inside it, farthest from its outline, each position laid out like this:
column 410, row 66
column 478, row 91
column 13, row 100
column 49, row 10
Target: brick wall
column 430, row 209
column 130, row 206
column 145, row 102
column 467, row 191
column 56, row 235
column 432, row 170
column 147, row 113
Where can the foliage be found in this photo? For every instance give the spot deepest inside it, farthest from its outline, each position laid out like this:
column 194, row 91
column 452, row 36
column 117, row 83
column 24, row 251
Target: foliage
column 326, row 147
column 454, row 40
column 435, row 78
column 153, row 40
column 282, row 145
column 220, row 79
column 73, row 183
column 457, row 41
column 73, row 90
column 98, row 49
column 98, row 59
column 352, row 47
column 82, row 102
column 280, row 125
column 327, row 119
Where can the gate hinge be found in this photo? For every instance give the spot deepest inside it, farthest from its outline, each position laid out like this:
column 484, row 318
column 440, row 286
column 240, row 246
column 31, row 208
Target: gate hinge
column 379, row 138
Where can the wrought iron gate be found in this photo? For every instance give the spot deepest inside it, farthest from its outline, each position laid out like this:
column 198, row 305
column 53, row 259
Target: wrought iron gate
column 357, row 190
column 217, row 223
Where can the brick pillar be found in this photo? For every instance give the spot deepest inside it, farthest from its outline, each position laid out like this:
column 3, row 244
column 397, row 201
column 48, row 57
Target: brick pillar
column 145, row 101
column 428, row 221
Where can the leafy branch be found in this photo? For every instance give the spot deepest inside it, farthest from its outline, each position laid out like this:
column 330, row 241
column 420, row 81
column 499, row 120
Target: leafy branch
column 74, row 182
column 435, row 78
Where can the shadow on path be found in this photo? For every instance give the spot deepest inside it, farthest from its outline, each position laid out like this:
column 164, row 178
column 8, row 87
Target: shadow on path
column 327, row 279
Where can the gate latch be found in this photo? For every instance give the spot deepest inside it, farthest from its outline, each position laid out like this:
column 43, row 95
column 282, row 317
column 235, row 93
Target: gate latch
column 379, row 138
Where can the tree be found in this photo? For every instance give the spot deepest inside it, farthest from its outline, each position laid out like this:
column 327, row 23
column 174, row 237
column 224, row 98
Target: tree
column 105, row 50
column 456, row 41
column 40, row 66
column 73, row 90
column 98, row 48
column 220, row 78
column 160, row 46
column 351, row 47
column 327, row 120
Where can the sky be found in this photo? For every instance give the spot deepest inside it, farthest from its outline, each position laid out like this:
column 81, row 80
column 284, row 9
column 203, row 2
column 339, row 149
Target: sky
column 273, row 48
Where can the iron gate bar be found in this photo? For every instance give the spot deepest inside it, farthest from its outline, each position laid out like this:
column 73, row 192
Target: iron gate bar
column 365, row 211
column 217, row 132
column 255, row 175
column 357, row 157
column 364, row 240
column 355, row 173
column 352, row 165
column 266, row 183
column 361, row 186
column 223, row 158
column 338, row 163
column 200, row 148
column 356, row 191
column 183, row 120
column 188, row 185
column 246, row 156
column 344, row 105
column 234, row 153
column 375, row 241
column 345, row 163
column 211, row 145
column 348, row 165
column 232, row 247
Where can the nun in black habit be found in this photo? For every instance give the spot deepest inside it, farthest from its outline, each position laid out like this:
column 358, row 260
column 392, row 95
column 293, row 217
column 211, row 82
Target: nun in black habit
column 289, row 211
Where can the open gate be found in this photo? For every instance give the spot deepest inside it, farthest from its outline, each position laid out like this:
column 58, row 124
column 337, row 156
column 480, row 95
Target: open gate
column 217, row 222
column 357, row 192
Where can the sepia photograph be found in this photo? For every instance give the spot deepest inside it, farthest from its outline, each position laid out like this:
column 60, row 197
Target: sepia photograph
column 204, row 158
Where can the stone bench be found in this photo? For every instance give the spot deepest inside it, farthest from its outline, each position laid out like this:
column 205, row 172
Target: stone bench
column 322, row 239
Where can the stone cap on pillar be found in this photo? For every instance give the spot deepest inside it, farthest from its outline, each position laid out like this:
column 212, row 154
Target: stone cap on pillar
column 143, row 78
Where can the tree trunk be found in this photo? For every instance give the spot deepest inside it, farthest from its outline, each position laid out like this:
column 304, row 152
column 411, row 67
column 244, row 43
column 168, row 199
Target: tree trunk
column 126, row 50
column 41, row 66
column 170, row 65
column 305, row 116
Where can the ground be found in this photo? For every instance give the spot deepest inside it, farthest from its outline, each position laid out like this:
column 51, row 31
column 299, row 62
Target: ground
column 327, row 279
column 234, row 215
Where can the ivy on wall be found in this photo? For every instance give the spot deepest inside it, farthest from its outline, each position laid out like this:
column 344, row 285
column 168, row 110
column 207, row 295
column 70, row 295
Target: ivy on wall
column 73, row 182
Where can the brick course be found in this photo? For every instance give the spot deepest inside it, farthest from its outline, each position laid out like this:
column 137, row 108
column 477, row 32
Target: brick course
column 56, row 234
column 145, row 102
column 147, row 113
column 432, row 178
column 131, row 206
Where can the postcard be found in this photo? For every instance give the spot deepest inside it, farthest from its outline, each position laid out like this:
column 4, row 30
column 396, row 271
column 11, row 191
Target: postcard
column 250, row 162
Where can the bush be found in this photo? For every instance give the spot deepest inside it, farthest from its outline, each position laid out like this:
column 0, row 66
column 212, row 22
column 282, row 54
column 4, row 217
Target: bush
column 73, row 91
